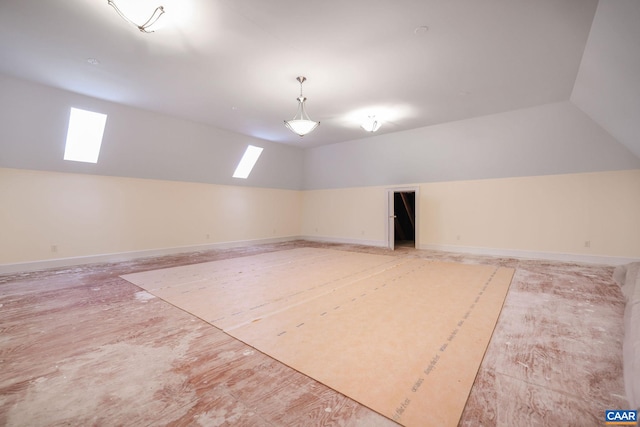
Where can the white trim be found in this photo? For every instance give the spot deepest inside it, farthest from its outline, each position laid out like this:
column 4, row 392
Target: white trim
column 549, row 256
column 128, row 256
column 390, row 211
column 363, row 242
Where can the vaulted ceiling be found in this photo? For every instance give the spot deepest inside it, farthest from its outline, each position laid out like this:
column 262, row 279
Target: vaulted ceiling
column 232, row 64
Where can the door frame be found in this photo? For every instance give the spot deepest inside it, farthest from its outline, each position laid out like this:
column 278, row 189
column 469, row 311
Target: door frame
column 390, row 223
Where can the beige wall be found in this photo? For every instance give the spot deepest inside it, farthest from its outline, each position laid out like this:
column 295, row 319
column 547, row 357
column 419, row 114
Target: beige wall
column 590, row 214
column 50, row 215
column 555, row 214
column 345, row 215
column 85, row 215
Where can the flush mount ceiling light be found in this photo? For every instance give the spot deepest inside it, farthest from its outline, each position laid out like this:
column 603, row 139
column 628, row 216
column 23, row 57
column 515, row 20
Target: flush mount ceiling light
column 301, row 124
column 371, row 124
column 144, row 27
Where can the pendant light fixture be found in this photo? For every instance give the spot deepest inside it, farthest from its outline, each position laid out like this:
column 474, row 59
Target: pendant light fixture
column 371, row 124
column 301, row 124
column 144, row 27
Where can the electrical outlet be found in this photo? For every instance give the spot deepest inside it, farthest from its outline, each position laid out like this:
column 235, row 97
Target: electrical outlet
column 54, row 248
column 587, row 243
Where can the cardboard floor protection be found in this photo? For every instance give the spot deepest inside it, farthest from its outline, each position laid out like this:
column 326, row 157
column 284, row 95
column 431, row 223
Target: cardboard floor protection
column 403, row 336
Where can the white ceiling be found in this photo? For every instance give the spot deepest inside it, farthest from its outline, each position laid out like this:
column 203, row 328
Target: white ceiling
column 607, row 87
column 233, row 63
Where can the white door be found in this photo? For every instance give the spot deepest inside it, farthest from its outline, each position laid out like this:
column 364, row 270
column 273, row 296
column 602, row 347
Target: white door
column 391, row 220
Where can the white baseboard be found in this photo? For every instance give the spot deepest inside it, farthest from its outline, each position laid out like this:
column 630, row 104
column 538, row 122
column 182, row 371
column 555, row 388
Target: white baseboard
column 549, row 256
column 363, row 242
column 499, row 252
column 128, row 256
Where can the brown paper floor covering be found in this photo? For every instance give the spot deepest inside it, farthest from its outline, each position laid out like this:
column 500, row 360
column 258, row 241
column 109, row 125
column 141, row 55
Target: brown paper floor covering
column 403, row 336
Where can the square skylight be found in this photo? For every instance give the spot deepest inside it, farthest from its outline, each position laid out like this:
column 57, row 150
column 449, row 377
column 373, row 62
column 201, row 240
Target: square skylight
column 84, row 136
column 247, row 162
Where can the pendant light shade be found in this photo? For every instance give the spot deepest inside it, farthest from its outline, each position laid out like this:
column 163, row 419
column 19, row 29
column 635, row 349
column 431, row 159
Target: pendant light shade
column 301, row 124
column 371, row 124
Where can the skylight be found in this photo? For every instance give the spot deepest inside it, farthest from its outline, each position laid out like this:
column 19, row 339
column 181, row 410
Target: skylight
column 247, row 162
column 84, row 136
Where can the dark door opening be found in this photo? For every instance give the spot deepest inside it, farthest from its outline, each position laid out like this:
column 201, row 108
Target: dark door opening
column 404, row 208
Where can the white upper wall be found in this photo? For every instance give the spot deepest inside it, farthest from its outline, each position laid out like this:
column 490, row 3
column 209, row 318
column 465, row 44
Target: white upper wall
column 136, row 143
column 607, row 87
column 545, row 140
column 550, row 139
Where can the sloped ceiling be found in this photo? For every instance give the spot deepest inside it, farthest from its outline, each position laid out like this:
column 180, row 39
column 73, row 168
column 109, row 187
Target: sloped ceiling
column 607, row 87
column 232, row 64
column 414, row 63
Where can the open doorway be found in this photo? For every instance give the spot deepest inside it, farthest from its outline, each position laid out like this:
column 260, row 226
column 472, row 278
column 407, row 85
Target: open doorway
column 402, row 218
